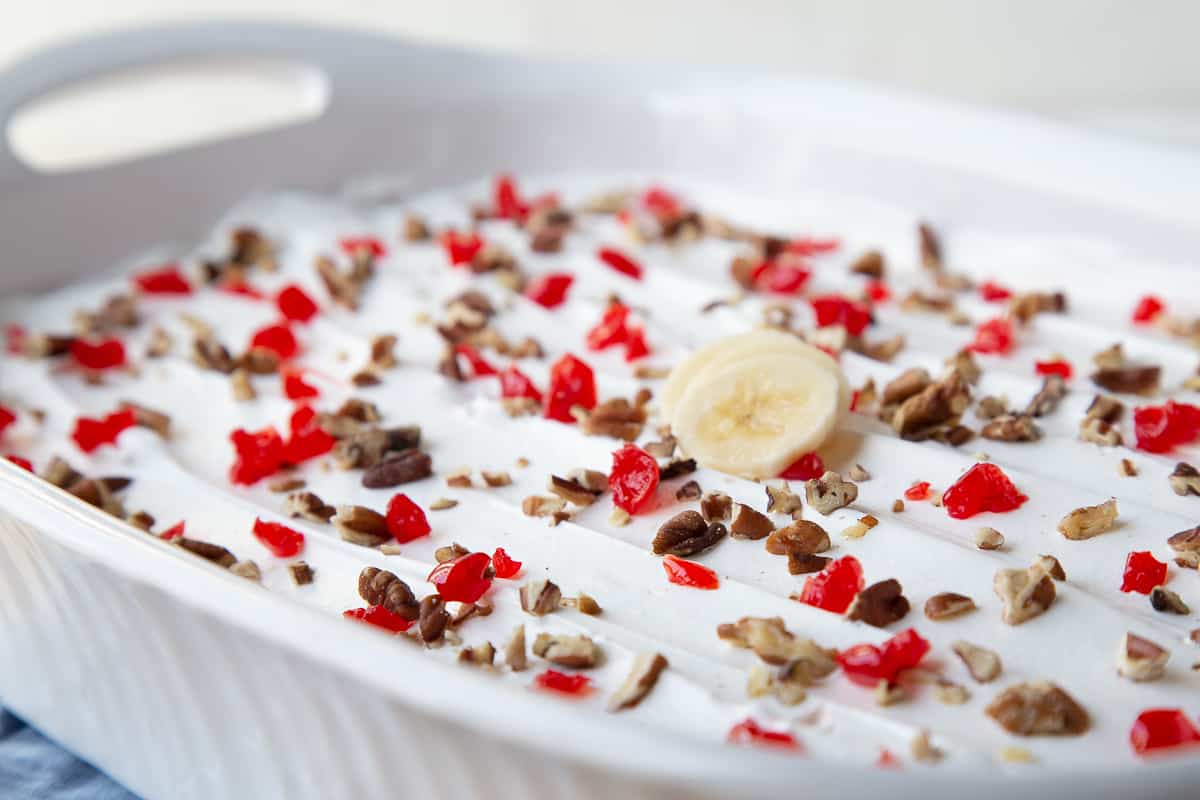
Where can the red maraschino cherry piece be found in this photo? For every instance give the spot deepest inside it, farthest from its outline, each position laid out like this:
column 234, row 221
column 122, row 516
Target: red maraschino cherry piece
column 878, row 292
column 749, row 732
column 379, row 617
column 460, row 248
column 633, row 478
column 281, row 540
column 23, row 463
column 1142, row 572
column 295, row 304
column 620, row 262
column 166, row 280
column 173, row 532
column 635, row 344
column 353, row 245
column 660, row 202
column 887, row 760
column 1148, row 309
column 550, row 290
column 277, row 338
column 992, row 292
column 611, row 329
column 994, row 337
column 480, row 367
column 1159, row 429
column 983, row 487
column 1158, row 729
column 103, row 354
column 805, row 468
column 560, row 682
column 1057, row 367
column 833, row 309
column 506, row 200
column 918, row 491
column 90, row 433
column 14, row 339
column 779, row 277
column 515, row 384
column 405, row 519
column 462, row 579
column 868, row 664
column 295, row 387
column 572, row 383
column 834, row 588
column 812, row 246
column 689, row 573
column 7, row 417
column 258, row 455
column 503, row 565
column 307, row 438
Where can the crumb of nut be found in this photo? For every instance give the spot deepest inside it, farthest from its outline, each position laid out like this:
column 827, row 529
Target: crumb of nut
column 449, row 552
column 951, row 694
column 991, row 407
column 688, row 491
column 889, row 694
column 642, row 677
column 897, row 506
column 496, row 479
column 984, row 665
column 1126, row 469
column 361, row 525
column 858, row 473
column 390, row 549
column 514, row 650
column 1088, row 521
column 802, row 537
column 522, row 462
column 301, row 572
column 542, row 506
column 1052, row 566
column 1026, row 593
column 239, row 383
column 207, row 550
column 935, row 498
column 879, row 604
column 1015, row 755
column 442, row 503
column 855, row 531
column 1188, row 560
column 286, row 484
column 619, row 517
column 1186, row 541
column 1164, row 600
column 781, row 500
column 576, row 652
column 483, row 655
column 716, row 506
column 748, row 523
column 459, row 478
column 922, row 749
column 829, row 493
column 947, row 605
column 571, row 490
column 586, row 604
column 646, row 372
column 989, row 539
column 306, row 505
column 803, row 661
column 664, row 448
column 905, row 385
column 687, row 534
column 141, row 520
column 1140, row 659
column 1011, row 428
column 246, row 569
column 540, row 597
column 1184, row 480
column 1038, row 709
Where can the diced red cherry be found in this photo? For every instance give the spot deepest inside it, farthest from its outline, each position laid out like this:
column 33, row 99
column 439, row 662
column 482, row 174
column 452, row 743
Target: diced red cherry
column 90, row 433
column 633, row 478
column 173, row 532
column 295, row 304
column 462, row 579
column 307, row 438
column 506, row 201
column 887, row 760
column 611, row 329
column 461, row 248
column 811, row 246
column 23, row 463
column 1143, row 572
column 1148, row 309
column 805, row 468
column 983, row 487
column 620, row 262
column 834, row 588
column 240, row 288
column 562, row 683
column 635, row 344
column 164, row 280
column 515, row 384
column 661, row 203
column 1058, row 367
column 855, row 397
column 503, row 565
column 7, row 418
column 258, row 455
column 480, row 367
column 379, row 617
column 749, row 732
column 353, row 245
column 281, row 540
column 104, row 354
column 405, row 519
column 550, row 290
column 993, row 292
column 994, row 336
column 779, row 277
column 878, row 292
column 689, row 573
column 572, row 383
column 295, row 387
column 1158, row 429
column 1158, row 729
column 868, row 664
column 833, row 309
column 277, row 338
column 14, row 339
column 918, row 491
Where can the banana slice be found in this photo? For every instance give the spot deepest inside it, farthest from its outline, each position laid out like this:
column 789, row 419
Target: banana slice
column 731, row 349
column 755, row 416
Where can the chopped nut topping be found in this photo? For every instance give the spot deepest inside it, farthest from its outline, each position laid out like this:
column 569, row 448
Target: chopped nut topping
column 952, row 694
column 929, row 247
column 1185, row 541
column 247, row 569
column 1010, row 428
column 415, row 228
column 301, row 572
column 208, row 353
column 572, row 491
column 947, row 605
column 1185, row 479
column 1051, row 566
column 307, row 505
column 576, row 652
column 775, row 645
column 781, row 500
column 619, row 517
column 540, row 597
column 1140, row 659
column 514, row 651
column 716, row 506
column 1142, row 380
column 1025, row 306
column 617, row 418
column 432, row 619
column 829, row 493
column 156, row 421
column 855, row 531
column 870, row 263
column 922, row 749
column 442, row 503
column 495, row 479
column 287, row 483
column 680, row 466
column 906, row 385
column 642, row 677
column 963, row 362
column 449, row 552
column 804, row 564
column 661, row 449
column 802, row 537
column 983, row 664
column 688, row 491
column 483, row 655
column 889, row 694
column 1026, row 593
column 1015, row 755
column 990, row 407
column 541, row 506
column 897, row 506
column 403, row 467
column 1126, row 469
column 1038, row 709
column 686, row 534
column 748, row 523
column 360, row 525
column 1053, row 390
column 378, row 587
column 1089, row 521
column 879, row 604
column 208, row 551
column 142, row 520
column 939, row 404
column 1164, row 600
column 160, row 343
column 364, row 449
column 858, row 474
column 1098, row 431
column 586, row 604
column 1106, row 408
column 459, row 478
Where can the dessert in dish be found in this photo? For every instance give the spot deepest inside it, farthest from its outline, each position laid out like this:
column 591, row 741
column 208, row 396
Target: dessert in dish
column 779, row 471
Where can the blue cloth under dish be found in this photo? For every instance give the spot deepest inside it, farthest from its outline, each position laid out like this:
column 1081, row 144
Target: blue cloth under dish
column 34, row 768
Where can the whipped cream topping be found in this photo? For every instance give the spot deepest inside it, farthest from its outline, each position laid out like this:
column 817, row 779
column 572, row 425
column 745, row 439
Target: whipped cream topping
column 703, row 692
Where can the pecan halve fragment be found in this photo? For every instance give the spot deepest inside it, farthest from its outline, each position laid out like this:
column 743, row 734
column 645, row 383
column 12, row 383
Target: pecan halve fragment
column 1026, row 593
column 302, row 574
column 536, row 505
column 642, row 677
column 1140, row 659
column 905, row 385
column 576, row 652
column 247, row 569
column 686, row 534
column 1143, row 380
column 1164, row 600
column 879, row 604
column 1026, row 305
column 208, row 551
column 806, row 563
column 378, row 587
column 716, row 506
column 571, row 490
column 360, row 449
column 617, row 418
column 802, row 537
column 61, row 474
column 1011, row 428
column 947, row 605
column 208, row 353
column 829, row 492
column 1185, row 541
column 432, row 618
column 772, row 642
column 1099, row 431
column 540, row 597
column 146, row 417
column 514, row 650
column 991, row 407
column 1185, row 479
column 870, row 263
column 781, row 500
column 1106, row 408
column 403, row 467
column 680, row 466
column 1038, row 709
column 360, row 525
column 1052, row 391
column 936, row 405
column 983, row 664
column 482, row 655
column 1089, row 521
column 748, row 523
column 306, row 505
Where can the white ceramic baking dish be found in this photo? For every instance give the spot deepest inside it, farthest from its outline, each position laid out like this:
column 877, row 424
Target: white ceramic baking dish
column 183, row 681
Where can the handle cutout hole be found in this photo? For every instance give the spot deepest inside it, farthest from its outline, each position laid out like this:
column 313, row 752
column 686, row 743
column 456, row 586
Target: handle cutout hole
column 154, row 109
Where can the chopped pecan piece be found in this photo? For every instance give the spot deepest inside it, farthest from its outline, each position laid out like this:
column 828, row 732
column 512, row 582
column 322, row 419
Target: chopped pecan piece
column 947, row 605
column 449, row 552
column 1164, row 600
column 870, row 263
column 1099, row 431
column 617, row 418
column 495, row 479
column 804, row 564
column 360, row 525
column 802, row 537
column 576, row 652
column 378, row 587
column 983, row 664
column 61, row 474
column 1010, row 428
column 688, row 491
column 156, row 421
column 307, row 505
column 542, row 506
column 1143, row 380
column 963, row 362
column 680, row 466
column 364, row 449
column 1089, row 521
column 1026, row 593
column 686, row 534
column 483, row 655
column 928, row 246
column 638, row 683
column 1140, row 659
column 208, row 551
column 208, row 353
column 1038, row 709
column 879, row 604
column 1185, row 479
column 301, row 572
column 288, row 483
column 1127, row 469
column 936, row 405
column 776, row 645
column 781, row 500
column 716, row 506
column 432, row 619
column 991, row 407
column 403, row 467
column 1053, row 390
column 1106, row 408
column 905, row 385
column 858, row 474
column 1051, row 566
column 1026, row 305
column 749, row 524
column 246, row 569
column 514, row 651
column 540, row 597
column 922, row 749
column 829, row 493
column 1187, row 541
column 571, row 490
